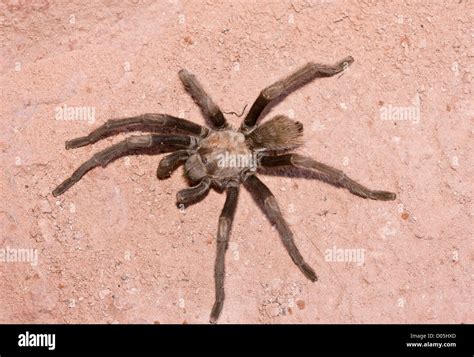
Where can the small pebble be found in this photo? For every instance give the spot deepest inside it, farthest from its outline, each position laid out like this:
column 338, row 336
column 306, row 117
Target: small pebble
column 300, row 304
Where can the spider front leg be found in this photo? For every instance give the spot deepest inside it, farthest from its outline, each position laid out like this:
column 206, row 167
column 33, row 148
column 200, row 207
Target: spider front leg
column 223, row 233
column 171, row 162
column 329, row 174
column 203, row 100
column 141, row 122
column 193, row 194
column 124, row 147
column 270, row 206
column 299, row 78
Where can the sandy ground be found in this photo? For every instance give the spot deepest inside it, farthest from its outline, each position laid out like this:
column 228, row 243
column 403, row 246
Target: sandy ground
column 115, row 248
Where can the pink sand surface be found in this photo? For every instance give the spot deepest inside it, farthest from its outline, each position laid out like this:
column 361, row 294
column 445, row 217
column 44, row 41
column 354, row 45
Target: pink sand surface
column 115, row 249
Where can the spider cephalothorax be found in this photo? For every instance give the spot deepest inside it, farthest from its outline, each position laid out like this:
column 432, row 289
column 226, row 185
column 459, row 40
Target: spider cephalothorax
column 225, row 158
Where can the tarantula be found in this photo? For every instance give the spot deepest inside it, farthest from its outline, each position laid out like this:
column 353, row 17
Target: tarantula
column 210, row 158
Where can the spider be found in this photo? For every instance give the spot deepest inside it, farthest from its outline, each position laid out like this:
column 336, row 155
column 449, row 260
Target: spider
column 223, row 157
